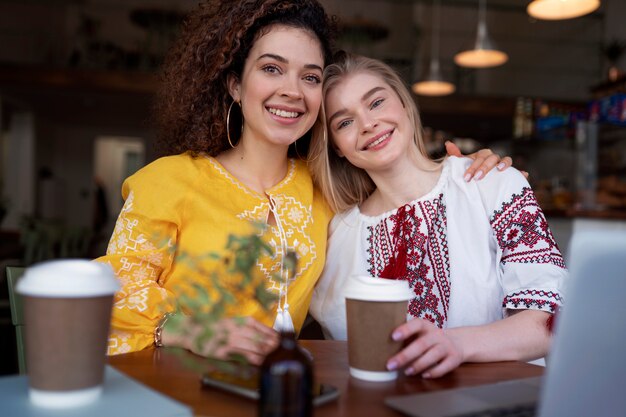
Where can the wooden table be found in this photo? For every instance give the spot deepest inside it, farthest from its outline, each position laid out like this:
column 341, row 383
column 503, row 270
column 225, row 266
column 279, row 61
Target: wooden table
column 163, row 371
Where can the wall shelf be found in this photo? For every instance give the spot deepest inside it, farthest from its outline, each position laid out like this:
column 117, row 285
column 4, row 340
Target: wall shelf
column 77, row 79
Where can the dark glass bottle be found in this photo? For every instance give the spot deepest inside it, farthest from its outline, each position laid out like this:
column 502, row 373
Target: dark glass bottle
column 286, row 381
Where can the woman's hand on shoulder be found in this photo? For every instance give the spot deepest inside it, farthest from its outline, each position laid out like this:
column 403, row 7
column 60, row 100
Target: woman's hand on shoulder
column 428, row 351
column 484, row 161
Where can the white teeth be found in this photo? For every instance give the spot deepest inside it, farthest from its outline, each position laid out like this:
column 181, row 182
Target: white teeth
column 283, row 113
column 379, row 140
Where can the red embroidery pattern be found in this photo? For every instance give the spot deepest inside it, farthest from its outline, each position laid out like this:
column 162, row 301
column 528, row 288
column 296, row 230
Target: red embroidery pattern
column 535, row 299
column 412, row 244
column 522, row 232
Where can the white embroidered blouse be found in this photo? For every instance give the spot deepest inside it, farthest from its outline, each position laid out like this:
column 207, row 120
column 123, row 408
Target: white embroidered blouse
column 471, row 250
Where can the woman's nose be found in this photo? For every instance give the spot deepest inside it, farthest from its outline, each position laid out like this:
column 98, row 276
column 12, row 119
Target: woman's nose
column 291, row 88
column 367, row 124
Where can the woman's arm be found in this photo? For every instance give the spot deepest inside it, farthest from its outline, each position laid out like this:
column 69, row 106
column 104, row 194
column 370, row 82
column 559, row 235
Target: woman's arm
column 522, row 336
column 484, row 161
column 139, row 251
column 433, row 352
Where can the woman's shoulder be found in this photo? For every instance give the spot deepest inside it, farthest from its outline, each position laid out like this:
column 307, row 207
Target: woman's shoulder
column 494, row 180
column 170, row 175
column 302, row 170
column 303, row 188
column 496, row 190
column 345, row 221
column 171, row 169
column 180, row 163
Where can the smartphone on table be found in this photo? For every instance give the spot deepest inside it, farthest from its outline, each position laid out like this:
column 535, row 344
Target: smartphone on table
column 246, row 384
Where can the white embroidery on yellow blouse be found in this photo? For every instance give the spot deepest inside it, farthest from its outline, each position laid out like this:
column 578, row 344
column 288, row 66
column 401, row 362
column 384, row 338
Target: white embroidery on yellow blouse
column 133, row 272
column 289, row 234
column 295, row 219
column 118, row 343
column 218, row 167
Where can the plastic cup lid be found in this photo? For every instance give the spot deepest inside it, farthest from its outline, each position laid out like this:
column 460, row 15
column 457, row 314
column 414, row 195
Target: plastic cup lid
column 69, row 278
column 360, row 287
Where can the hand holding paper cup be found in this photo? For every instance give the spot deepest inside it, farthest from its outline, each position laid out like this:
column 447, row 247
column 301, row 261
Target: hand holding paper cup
column 67, row 313
column 374, row 308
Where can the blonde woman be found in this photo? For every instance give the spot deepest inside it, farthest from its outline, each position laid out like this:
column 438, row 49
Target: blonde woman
column 479, row 256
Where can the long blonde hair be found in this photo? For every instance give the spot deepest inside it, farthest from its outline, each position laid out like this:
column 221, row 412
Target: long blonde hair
column 343, row 184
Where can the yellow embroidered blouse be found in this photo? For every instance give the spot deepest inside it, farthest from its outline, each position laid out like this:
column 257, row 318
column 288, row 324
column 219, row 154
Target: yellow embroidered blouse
column 192, row 205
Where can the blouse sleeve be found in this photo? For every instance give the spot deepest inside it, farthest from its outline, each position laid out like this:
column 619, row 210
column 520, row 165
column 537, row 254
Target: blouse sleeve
column 531, row 263
column 141, row 253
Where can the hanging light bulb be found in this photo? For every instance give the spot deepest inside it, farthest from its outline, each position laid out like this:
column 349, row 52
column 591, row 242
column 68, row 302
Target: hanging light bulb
column 561, row 9
column 434, row 84
column 485, row 54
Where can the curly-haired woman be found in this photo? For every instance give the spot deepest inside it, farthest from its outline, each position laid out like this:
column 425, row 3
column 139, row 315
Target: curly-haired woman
column 240, row 98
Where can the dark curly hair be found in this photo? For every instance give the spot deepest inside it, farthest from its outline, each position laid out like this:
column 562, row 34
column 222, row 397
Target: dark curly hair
column 193, row 100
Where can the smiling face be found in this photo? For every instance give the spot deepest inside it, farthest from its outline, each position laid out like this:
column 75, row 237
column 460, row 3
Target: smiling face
column 280, row 87
column 367, row 121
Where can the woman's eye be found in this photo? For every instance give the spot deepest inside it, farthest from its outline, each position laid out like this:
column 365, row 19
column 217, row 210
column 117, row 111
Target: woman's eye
column 377, row 103
column 343, row 124
column 315, row 79
column 272, row 69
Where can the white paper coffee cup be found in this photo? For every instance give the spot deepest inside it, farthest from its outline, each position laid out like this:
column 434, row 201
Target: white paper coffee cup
column 374, row 308
column 67, row 309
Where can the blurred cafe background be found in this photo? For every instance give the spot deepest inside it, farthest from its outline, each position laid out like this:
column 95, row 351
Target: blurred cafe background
column 77, row 78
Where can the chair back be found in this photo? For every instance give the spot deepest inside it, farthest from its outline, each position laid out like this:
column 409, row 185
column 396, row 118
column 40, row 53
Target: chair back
column 13, row 274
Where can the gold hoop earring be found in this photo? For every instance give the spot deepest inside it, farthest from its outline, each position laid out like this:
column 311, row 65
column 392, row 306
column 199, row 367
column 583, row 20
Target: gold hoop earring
column 228, row 122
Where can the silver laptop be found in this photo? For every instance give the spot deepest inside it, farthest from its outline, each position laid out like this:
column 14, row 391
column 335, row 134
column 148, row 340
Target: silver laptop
column 586, row 373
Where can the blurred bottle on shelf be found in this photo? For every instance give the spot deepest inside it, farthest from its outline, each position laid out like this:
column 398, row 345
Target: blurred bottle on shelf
column 528, row 125
column 518, row 118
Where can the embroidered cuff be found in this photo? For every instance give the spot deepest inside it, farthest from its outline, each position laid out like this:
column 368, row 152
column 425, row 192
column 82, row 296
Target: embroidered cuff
column 533, row 299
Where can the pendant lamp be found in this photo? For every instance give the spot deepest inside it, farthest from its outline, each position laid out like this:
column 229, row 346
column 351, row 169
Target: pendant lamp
column 485, row 54
column 434, row 84
column 561, row 9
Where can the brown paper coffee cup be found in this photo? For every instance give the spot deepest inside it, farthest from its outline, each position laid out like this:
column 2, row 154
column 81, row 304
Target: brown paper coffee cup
column 67, row 313
column 374, row 308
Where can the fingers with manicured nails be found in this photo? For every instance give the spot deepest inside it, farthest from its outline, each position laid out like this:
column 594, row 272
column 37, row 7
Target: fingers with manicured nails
column 452, row 149
column 415, row 350
column 488, row 164
column 432, row 353
column 448, row 364
column 435, row 354
column 408, row 329
column 403, row 332
column 474, row 169
column 484, row 161
column 505, row 163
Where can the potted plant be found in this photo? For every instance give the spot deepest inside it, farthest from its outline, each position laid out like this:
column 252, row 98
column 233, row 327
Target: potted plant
column 237, row 280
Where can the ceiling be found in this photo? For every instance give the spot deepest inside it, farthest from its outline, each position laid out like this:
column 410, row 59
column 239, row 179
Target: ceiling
column 512, row 5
